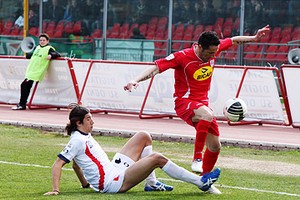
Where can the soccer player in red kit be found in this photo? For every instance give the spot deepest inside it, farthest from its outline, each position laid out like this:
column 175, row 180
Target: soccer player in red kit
column 193, row 70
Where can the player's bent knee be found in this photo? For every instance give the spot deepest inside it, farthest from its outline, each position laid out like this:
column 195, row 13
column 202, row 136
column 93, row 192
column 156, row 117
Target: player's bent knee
column 158, row 159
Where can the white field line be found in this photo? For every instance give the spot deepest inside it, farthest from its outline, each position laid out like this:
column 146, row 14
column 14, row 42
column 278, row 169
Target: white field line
column 242, row 188
column 30, row 165
column 166, row 179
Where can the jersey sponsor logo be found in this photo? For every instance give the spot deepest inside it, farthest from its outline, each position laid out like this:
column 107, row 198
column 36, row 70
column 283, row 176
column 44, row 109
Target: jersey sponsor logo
column 203, row 73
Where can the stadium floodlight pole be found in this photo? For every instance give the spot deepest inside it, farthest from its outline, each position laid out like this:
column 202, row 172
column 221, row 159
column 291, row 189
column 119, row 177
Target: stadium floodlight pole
column 169, row 40
column 25, row 16
column 41, row 17
column 104, row 28
column 242, row 22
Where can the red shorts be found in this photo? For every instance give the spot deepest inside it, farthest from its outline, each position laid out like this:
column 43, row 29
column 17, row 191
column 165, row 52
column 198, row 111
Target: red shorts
column 185, row 110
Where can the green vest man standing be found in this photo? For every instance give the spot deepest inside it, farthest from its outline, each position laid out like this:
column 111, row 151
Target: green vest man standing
column 37, row 68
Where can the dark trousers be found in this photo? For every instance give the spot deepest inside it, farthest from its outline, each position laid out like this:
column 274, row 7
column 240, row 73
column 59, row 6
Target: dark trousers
column 26, row 86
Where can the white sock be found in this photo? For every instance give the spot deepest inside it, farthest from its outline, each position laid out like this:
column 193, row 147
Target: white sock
column 151, row 179
column 180, row 173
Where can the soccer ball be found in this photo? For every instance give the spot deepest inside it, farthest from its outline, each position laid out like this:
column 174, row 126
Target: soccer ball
column 235, row 109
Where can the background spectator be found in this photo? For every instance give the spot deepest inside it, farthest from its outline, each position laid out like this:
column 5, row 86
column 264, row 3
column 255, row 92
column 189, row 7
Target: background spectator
column 53, row 11
column 141, row 12
column 33, row 20
column 73, row 11
column 208, row 13
column 136, row 34
column 90, row 12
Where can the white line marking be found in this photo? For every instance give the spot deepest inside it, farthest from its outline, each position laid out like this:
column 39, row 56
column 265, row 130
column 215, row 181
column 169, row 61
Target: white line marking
column 242, row 188
column 165, row 179
column 29, row 165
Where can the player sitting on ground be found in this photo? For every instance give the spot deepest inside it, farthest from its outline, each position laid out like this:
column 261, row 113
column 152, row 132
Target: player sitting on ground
column 133, row 164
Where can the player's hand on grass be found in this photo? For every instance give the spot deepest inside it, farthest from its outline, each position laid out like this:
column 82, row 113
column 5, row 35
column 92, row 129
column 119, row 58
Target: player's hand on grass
column 52, row 193
column 131, row 85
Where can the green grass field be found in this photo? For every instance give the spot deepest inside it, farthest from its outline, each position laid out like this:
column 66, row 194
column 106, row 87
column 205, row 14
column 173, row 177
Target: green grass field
column 27, row 155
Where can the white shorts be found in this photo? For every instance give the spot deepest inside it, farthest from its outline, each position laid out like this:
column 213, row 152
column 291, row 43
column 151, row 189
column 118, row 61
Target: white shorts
column 121, row 162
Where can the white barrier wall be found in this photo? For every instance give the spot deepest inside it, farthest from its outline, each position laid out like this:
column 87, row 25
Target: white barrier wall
column 56, row 89
column 102, row 88
column 291, row 76
column 12, row 72
column 259, row 91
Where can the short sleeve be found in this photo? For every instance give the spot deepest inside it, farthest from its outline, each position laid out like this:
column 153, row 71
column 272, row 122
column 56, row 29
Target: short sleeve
column 73, row 148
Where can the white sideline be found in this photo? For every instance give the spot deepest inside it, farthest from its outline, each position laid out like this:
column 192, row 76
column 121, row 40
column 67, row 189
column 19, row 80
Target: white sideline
column 166, row 179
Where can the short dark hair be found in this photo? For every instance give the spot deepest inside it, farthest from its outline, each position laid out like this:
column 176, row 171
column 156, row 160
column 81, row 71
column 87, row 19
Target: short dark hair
column 136, row 31
column 208, row 38
column 45, row 35
column 77, row 114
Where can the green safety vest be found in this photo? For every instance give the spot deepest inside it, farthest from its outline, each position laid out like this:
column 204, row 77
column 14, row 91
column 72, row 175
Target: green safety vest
column 38, row 63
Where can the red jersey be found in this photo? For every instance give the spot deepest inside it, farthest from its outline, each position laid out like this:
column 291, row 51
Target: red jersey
column 192, row 75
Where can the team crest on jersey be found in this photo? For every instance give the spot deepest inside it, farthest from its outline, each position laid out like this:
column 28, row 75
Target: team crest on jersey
column 203, row 73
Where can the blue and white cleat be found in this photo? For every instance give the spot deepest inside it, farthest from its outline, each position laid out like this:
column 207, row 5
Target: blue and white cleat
column 159, row 186
column 209, row 178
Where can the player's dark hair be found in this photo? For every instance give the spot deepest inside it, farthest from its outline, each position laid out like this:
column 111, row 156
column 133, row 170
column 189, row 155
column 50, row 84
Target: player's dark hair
column 77, row 114
column 208, row 38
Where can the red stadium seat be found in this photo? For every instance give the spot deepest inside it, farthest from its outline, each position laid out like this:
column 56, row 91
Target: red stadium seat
column 150, row 34
column 143, row 28
column 176, row 46
column 97, row 33
column 227, row 31
column 219, row 22
column 77, row 28
column 8, row 25
column 236, row 24
column 209, row 28
column 33, row 31
column 163, row 21
column 187, row 45
column 153, row 20
column 69, row 28
column 51, row 26
column 116, row 27
column 179, row 28
column 15, row 31
column 58, row 34
column 228, row 21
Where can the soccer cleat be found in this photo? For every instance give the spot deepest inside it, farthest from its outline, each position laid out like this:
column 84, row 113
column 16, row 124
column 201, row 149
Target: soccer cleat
column 197, row 165
column 159, row 186
column 209, row 178
column 19, row 107
column 214, row 190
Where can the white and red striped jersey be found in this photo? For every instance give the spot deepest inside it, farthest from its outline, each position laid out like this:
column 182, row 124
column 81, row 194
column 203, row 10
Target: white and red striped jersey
column 90, row 157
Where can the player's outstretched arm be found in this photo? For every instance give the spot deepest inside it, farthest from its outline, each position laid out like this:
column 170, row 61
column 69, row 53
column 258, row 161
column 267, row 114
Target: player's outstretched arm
column 148, row 73
column 255, row 38
column 56, row 174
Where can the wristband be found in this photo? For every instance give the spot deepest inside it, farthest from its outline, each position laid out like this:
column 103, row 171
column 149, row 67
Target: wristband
column 86, row 186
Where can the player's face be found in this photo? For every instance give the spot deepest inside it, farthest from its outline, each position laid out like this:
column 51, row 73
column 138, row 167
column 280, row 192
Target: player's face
column 87, row 125
column 206, row 54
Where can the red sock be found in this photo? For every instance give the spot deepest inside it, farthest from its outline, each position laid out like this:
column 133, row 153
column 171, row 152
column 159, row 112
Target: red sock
column 201, row 132
column 209, row 160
